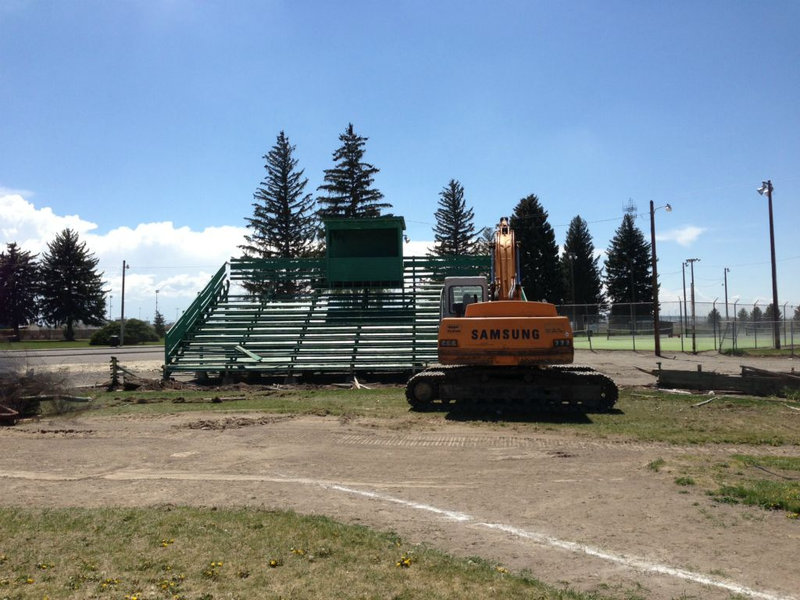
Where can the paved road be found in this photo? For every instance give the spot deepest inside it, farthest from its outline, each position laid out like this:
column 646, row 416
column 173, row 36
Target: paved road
column 84, row 355
column 86, row 366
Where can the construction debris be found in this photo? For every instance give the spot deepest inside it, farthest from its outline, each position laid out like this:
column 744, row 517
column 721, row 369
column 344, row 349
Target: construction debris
column 8, row 416
column 752, row 381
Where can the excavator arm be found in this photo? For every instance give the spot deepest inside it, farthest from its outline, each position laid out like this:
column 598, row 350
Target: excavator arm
column 506, row 283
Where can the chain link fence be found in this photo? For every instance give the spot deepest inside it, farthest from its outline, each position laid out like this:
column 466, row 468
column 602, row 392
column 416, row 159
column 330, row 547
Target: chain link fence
column 682, row 327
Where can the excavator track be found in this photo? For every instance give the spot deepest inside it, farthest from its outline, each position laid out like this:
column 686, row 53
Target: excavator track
column 550, row 389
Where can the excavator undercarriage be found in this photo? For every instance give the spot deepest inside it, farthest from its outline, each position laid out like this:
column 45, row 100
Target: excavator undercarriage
column 554, row 388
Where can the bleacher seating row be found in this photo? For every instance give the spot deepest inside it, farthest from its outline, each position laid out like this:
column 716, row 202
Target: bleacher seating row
column 228, row 331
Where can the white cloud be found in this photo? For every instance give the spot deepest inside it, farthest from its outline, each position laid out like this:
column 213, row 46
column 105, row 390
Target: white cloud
column 22, row 222
column 176, row 261
column 412, row 248
column 684, row 236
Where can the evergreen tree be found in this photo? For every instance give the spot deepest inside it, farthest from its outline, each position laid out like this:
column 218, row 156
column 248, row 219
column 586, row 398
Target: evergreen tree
column 283, row 223
column 348, row 184
column 581, row 272
column 628, row 274
column 19, row 281
column 539, row 262
column 743, row 316
column 485, row 242
column 72, row 290
column 756, row 315
column 159, row 325
column 714, row 318
column 770, row 312
column 454, row 232
column 796, row 313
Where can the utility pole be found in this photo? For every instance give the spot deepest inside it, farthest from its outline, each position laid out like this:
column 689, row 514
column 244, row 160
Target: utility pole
column 727, row 270
column 572, row 258
column 727, row 322
column 685, row 313
column 122, row 311
column 766, row 186
column 656, row 320
column 691, row 262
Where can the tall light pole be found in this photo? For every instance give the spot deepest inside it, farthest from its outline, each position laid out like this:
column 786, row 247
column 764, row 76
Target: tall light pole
column 715, row 318
column 691, row 262
column 656, row 321
column 122, row 310
column 727, row 318
column 572, row 256
column 727, row 270
column 157, row 302
column 766, row 186
column 684, row 264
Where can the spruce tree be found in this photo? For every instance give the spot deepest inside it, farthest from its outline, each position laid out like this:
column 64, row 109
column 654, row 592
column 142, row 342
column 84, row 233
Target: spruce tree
column 582, row 281
column 485, row 241
column 539, row 261
column 19, row 281
column 743, row 316
column 454, row 232
column 348, row 185
column 628, row 272
column 283, row 222
column 757, row 314
column 770, row 314
column 159, row 325
column 72, row 289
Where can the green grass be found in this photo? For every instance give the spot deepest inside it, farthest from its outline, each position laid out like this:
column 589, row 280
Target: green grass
column 61, row 345
column 703, row 343
column 645, row 416
column 769, row 482
column 205, row 553
column 384, row 403
column 44, row 345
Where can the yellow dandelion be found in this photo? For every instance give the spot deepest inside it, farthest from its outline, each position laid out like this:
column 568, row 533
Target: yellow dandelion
column 501, row 569
column 405, row 561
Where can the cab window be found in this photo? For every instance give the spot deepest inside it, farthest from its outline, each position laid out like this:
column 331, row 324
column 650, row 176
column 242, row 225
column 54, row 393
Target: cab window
column 463, row 295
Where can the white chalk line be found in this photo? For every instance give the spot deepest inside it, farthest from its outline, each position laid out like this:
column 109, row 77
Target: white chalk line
column 540, row 538
column 547, row 540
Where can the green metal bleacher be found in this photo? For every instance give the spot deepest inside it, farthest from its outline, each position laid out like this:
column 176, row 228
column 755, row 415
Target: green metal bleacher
column 320, row 328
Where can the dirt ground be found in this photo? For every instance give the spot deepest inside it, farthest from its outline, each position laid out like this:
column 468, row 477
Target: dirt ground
column 580, row 512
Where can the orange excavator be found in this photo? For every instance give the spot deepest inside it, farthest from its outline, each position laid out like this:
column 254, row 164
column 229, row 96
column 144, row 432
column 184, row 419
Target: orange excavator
column 497, row 348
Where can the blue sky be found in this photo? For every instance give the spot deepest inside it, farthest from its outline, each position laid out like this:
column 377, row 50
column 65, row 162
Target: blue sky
column 142, row 123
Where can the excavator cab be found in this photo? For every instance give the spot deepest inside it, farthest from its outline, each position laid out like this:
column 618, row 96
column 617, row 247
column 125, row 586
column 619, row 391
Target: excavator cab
column 460, row 292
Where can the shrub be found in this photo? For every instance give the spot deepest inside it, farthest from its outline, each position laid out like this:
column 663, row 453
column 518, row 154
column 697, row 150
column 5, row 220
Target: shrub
column 136, row 332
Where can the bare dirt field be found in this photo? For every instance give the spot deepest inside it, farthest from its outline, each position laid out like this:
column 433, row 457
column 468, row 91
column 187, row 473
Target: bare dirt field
column 574, row 510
